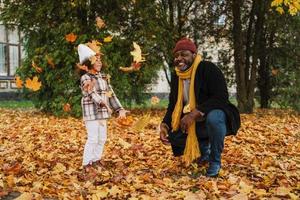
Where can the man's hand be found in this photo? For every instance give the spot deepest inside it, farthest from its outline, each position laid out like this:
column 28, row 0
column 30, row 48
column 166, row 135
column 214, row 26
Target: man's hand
column 163, row 132
column 189, row 118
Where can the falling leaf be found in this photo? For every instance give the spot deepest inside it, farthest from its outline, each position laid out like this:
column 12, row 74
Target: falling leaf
column 33, row 84
column 141, row 123
column 100, row 23
column 274, row 72
column 82, row 67
column 93, row 59
column 37, row 68
column 71, row 37
column 134, row 67
column 50, row 61
column 67, row 107
column 137, row 53
column 154, row 100
column 280, row 10
column 95, row 46
column 19, row 82
column 108, row 39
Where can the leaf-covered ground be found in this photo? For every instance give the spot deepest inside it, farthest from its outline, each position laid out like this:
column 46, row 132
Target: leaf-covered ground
column 41, row 155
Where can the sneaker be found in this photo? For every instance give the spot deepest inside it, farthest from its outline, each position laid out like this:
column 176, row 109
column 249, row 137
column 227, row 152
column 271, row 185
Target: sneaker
column 213, row 170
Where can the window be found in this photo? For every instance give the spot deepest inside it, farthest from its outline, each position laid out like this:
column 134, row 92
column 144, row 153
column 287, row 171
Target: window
column 11, row 51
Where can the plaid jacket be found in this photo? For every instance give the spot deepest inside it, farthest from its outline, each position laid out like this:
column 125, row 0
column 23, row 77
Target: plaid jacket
column 102, row 92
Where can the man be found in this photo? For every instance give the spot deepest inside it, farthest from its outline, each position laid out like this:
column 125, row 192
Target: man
column 199, row 105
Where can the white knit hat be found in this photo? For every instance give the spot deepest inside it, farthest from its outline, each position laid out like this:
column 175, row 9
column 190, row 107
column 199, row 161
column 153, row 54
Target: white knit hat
column 84, row 53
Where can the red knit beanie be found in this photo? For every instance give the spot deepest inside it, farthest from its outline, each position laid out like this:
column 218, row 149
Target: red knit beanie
column 185, row 44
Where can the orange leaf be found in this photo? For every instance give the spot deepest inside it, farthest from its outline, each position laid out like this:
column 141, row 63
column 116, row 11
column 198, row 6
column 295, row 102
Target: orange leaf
column 50, row 61
column 33, row 84
column 19, row 82
column 37, row 68
column 67, row 107
column 71, row 37
column 100, row 22
column 127, row 121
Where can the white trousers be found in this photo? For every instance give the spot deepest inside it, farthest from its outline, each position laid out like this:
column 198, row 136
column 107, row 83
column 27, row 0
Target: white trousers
column 93, row 149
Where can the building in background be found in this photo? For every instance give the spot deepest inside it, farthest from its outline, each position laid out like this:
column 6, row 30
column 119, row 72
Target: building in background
column 11, row 54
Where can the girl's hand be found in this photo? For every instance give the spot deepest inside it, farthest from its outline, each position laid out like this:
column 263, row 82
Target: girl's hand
column 122, row 113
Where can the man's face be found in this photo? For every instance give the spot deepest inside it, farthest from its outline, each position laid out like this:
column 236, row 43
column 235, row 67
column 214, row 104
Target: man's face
column 183, row 59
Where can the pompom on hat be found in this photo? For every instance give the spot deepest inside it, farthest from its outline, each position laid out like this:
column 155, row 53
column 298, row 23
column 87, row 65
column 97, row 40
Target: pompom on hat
column 85, row 53
column 185, row 44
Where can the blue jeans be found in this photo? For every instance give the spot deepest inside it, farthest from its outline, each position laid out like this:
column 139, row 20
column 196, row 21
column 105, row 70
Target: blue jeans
column 210, row 134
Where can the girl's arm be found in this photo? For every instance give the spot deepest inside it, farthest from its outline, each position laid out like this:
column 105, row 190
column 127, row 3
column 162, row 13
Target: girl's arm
column 88, row 89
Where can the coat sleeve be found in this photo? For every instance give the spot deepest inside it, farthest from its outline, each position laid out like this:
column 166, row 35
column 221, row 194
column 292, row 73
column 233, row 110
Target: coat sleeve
column 96, row 98
column 113, row 100
column 172, row 100
column 217, row 94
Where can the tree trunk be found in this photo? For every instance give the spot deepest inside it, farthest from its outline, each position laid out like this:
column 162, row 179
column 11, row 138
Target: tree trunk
column 245, row 104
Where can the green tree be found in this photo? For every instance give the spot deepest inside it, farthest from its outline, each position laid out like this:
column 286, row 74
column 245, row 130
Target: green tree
column 45, row 26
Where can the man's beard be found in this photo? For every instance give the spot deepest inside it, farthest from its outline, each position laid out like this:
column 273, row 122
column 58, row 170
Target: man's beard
column 184, row 67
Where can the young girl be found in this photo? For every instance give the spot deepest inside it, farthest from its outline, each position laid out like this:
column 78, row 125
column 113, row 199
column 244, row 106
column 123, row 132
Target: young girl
column 98, row 98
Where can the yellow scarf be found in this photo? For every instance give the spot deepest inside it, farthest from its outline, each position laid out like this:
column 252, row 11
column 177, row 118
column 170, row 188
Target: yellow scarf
column 191, row 151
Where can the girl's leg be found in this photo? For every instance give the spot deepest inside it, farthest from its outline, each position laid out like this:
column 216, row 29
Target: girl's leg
column 102, row 136
column 89, row 155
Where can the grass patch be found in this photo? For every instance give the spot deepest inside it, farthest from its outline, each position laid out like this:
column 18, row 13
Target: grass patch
column 12, row 104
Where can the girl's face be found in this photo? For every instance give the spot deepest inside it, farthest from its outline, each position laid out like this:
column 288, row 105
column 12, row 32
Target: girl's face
column 98, row 64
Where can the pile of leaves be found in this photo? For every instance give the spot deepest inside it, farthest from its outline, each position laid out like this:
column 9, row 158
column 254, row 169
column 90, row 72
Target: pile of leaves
column 41, row 155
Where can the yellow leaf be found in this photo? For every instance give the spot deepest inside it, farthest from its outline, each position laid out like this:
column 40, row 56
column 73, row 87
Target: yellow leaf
column 244, row 187
column 19, row 82
column 100, row 22
column 71, row 37
column 114, row 190
column 33, row 84
column 124, row 144
column 154, row 100
column 292, row 10
column 95, row 46
column 276, row 3
column 59, row 167
column 280, row 10
column 141, row 123
column 137, row 53
column 108, row 39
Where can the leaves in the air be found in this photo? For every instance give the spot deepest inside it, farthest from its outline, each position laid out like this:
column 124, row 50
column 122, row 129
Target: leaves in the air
column 41, row 155
column 36, row 67
column 108, row 39
column 137, row 59
column 71, row 37
column 33, row 84
column 100, row 23
column 154, row 100
column 19, row 82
